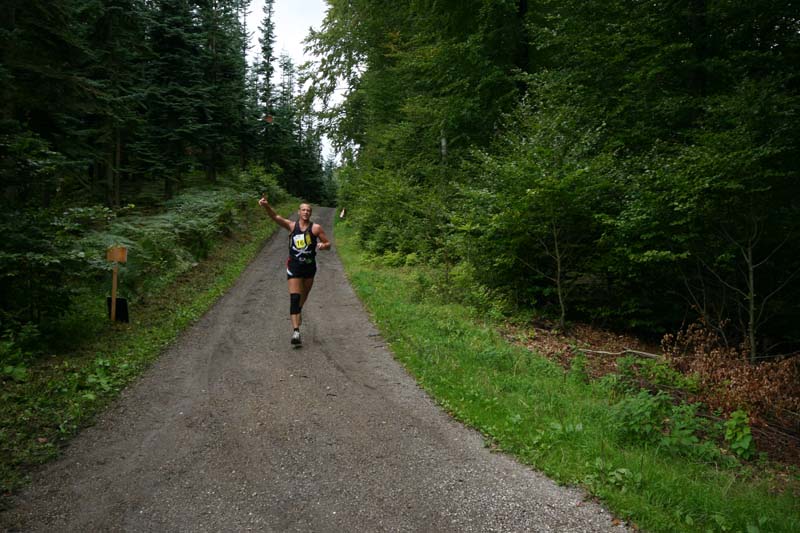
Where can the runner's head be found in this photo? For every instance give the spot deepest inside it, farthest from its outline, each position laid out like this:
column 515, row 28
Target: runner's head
column 304, row 211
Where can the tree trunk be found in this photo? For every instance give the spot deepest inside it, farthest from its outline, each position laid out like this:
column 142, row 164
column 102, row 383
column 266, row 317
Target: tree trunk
column 117, row 165
column 559, row 288
column 211, row 168
column 751, row 303
column 110, row 177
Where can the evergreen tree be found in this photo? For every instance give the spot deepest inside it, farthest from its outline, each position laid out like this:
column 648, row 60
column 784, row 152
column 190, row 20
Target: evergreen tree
column 175, row 101
column 46, row 93
column 117, row 38
column 224, row 83
column 265, row 70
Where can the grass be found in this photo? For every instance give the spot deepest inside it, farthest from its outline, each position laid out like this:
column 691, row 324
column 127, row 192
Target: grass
column 553, row 419
column 64, row 392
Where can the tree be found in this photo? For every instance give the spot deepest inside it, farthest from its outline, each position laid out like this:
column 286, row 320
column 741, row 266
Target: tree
column 116, row 37
column 175, row 100
column 46, row 92
column 224, row 79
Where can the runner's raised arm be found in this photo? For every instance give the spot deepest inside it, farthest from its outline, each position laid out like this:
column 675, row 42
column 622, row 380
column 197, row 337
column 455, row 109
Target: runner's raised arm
column 283, row 222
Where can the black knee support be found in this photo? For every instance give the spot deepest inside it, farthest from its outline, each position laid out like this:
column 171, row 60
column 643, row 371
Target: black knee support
column 294, row 303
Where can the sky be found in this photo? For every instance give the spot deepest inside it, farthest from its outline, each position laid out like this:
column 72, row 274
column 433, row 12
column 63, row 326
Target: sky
column 293, row 18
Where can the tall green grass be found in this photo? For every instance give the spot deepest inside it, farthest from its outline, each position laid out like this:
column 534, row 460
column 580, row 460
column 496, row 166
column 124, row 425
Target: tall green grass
column 553, row 419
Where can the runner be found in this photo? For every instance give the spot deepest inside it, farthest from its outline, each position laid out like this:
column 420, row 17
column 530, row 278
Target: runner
column 306, row 238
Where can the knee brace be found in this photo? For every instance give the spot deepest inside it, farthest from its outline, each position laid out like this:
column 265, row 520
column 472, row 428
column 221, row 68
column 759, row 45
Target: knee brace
column 294, row 303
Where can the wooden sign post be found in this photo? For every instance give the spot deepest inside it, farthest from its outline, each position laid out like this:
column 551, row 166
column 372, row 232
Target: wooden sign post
column 117, row 254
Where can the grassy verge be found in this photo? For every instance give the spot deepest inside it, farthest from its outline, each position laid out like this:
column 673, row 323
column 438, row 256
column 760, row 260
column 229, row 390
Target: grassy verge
column 553, row 419
column 63, row 392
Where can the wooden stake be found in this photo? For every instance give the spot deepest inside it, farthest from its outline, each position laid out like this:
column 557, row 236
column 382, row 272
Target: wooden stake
column 114, row 292
column 116, row 254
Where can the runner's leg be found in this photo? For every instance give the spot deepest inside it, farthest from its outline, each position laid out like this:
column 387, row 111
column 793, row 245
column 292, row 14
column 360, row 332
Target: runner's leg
column 307, row 284
column 296, row 287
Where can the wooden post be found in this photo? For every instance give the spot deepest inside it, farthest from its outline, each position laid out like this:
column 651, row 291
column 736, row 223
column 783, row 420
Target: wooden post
column 117, row 254
column 114, row 292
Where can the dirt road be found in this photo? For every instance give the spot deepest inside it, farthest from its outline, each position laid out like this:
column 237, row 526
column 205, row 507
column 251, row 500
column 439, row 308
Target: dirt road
column 235, row 430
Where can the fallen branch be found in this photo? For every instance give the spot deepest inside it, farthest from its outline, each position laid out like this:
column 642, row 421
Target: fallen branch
column 623, row 352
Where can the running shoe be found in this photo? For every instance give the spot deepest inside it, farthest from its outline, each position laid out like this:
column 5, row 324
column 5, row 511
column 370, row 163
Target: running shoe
column 296, row 337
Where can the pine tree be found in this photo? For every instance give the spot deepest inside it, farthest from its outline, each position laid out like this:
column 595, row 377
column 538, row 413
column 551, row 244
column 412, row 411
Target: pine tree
column 174, row 103
column 265, row 70
column 224, row 83
column 265, row 66
column 119, row 47
column 45, row 96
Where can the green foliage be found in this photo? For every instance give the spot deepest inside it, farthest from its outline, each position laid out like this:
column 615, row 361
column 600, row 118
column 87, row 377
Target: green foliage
column 114, row 101
column 524, row 217
column 29, row 166
column 604, row 476
column 39, row 267
column 634, row 371
column 577, row 369
column 53, row 258
column 653, row 420
column 257, row 181
column 738, row 436
column 646, row 175
column 163, row 246
column 640, row 418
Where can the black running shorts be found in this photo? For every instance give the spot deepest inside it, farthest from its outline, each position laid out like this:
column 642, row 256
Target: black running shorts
column 300, row 270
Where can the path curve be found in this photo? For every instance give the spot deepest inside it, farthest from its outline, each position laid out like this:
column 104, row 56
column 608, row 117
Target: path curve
column 234, row 430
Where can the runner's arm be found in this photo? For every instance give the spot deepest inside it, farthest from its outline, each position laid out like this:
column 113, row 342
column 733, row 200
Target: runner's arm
column 322, row 240
column 279, row 220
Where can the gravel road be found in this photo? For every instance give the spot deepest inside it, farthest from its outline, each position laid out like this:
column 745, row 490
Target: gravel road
column 235, row 430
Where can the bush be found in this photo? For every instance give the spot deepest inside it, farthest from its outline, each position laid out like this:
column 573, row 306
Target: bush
column 640, row 417
column 39, row 268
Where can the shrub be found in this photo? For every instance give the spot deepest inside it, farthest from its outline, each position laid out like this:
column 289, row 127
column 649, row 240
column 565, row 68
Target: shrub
column 738, row 436
column 640, row 417
column 39, row 268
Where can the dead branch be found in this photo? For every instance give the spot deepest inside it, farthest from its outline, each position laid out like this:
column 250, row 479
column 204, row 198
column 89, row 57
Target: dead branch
column 623, row 352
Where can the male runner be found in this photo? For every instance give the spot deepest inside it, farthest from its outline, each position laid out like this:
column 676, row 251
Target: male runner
column 306, row 238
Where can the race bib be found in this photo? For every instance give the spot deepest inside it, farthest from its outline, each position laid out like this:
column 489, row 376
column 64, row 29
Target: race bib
column 300, row 241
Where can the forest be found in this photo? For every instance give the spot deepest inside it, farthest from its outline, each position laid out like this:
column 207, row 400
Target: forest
column 624, row 163
column 554, row 165
column 136, row 123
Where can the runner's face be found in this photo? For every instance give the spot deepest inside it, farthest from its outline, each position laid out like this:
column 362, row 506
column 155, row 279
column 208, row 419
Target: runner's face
column 305, row 212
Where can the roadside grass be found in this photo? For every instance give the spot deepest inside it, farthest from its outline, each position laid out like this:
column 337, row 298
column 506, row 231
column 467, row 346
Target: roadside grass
column 554, row 420
column 64, row 392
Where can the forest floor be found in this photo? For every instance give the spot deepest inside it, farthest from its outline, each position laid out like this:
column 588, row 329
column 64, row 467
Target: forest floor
column 233, row 429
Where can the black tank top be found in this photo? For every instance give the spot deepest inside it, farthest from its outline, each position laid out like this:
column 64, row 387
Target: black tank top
column 303, row 244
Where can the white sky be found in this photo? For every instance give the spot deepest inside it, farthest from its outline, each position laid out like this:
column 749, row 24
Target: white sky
column 293, row 18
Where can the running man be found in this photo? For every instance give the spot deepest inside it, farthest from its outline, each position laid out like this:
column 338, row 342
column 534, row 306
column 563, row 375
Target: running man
column 306, row 238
